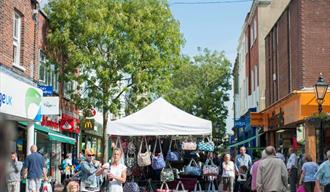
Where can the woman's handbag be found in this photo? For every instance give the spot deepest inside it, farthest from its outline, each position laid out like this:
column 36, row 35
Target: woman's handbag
column 301, row 188
column 206, row 146
column 158, row 161
column 178, row 186
column 167, row 174
column 189, row 145
column 172, row 156
column 198, row 187
column 161, row 189
column 210, row 169
column 144, row 158
column 192, row 170
column 131, row 187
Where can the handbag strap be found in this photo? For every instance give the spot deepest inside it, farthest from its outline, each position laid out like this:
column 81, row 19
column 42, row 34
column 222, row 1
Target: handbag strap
column 193, row 161
column 180, row 184
column 118, row 142
column 166, row 186
column 209, row 160
column 169, row 148
column 198, row 185
column 211, row 186
column 144, row 139
column 160, row 146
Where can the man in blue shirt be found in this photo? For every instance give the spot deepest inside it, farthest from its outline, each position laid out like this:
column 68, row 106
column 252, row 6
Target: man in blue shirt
column 240, row 160
column 33, row 169
column 292, row 166
column 323, row 175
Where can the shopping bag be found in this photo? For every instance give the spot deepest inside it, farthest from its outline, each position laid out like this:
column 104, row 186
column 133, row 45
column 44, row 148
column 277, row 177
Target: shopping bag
column 177, row 189
column 210, row 169
column 144, row 158
column 192, row 170
column 206, row 146
column 189, row 145
column 47, row 187
column 158, row 161
column 301, row 188
column 163, row 188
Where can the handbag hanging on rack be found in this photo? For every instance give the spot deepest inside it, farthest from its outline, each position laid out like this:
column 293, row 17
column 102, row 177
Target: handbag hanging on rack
column 161, row 189
column 167, row 174
column 206, row 146
column 210, row 169
column 158, row 161
column 211, row 187
column 131, row 187
column 189, row 145
column 177, row 189
column 192, row 170
column 144, row 159
column 172, row 156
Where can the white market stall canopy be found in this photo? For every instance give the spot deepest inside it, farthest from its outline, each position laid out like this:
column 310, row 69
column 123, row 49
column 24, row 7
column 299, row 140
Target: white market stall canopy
column 159, row 118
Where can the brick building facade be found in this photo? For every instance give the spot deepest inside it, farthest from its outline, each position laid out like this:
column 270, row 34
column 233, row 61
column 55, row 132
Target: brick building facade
column 297, row 51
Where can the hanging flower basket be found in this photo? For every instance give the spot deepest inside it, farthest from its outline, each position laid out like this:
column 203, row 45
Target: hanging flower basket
column 316, row 118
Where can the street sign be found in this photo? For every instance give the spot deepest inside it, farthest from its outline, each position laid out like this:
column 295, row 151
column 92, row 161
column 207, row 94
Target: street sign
column 87, row 124
column 47, row 90
column 256, row 119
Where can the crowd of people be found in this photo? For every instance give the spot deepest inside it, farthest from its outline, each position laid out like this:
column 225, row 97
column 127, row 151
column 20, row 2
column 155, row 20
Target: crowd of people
column 271, row 172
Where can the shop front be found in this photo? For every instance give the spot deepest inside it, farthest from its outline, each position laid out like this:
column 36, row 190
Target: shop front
column 285, row 123
column 92, row 137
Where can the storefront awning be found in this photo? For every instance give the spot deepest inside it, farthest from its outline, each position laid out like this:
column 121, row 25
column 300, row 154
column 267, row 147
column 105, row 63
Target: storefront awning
column 52, row 135
column 245, row 141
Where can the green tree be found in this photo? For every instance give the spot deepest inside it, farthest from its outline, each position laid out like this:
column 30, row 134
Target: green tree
column 200, row 87
column 110, row 47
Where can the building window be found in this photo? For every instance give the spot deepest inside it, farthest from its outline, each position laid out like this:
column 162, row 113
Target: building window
column 17, row 23
column 251, row 35
column 254, row 29
column 48, row 73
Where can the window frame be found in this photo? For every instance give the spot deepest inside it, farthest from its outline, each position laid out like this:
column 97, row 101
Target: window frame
column 17, row 27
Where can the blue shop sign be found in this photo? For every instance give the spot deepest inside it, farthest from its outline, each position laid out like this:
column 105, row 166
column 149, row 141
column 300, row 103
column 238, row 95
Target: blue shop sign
column 239, row 123
column 47, row 90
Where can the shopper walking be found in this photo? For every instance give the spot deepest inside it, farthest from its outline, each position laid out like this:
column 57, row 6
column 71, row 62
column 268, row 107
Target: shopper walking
column 308, row 171
column 254, row 170
column 240, row 160
column 14, row 174
column 90, row 171
column 116, row 174
column 272, row 175
column 323, row 176
column 280, row 155
column 228, row 174
column 34, row 168
column 292, row 169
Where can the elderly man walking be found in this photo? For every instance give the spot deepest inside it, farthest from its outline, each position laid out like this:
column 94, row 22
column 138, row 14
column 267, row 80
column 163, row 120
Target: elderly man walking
column 34, row 168
column 272, row 175
column 240, row 160
column 14, row 174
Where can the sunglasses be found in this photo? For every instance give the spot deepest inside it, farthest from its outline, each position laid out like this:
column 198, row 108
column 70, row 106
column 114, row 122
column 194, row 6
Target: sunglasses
column 90, row 155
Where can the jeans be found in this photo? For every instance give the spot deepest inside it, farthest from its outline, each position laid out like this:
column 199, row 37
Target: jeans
column 293, row 179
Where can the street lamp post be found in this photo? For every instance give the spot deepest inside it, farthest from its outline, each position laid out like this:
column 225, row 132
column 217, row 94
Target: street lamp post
column 321, row 88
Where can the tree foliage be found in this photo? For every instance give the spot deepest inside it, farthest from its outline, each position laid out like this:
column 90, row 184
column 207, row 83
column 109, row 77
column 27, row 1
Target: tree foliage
column 110, row 47
column 200, row 87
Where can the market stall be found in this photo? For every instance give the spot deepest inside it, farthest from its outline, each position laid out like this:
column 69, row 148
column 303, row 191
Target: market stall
column 165, row 145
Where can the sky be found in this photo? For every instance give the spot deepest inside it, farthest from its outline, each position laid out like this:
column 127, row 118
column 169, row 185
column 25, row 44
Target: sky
column 213, row 26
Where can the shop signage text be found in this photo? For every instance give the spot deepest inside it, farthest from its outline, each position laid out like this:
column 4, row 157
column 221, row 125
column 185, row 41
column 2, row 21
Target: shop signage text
column 87, row 124
column 256, row 119
column 46, row 90
column 5, row 99
column 50, row 106
column 240, row 123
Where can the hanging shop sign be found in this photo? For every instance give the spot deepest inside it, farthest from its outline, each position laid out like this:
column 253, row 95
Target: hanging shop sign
column 88, row 124
column 256, row 119
column 69, row 124
column 276, row 121
column 50, row 106
column 46, row 90
column 19, row 99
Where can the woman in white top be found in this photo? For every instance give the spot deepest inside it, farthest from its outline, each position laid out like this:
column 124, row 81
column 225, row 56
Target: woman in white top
column 117, row 173
column 228, row 174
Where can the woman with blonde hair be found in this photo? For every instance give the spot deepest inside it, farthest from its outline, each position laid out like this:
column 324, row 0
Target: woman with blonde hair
column 228, row 174
column 116, row 173
column 73, row 186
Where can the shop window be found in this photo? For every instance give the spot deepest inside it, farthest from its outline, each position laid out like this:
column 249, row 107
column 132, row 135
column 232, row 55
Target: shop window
column 17, row 30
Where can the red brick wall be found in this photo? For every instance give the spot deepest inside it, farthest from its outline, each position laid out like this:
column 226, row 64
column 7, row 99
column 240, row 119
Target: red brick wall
column 302, row 34
column 315, row 40
column 28, row 57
